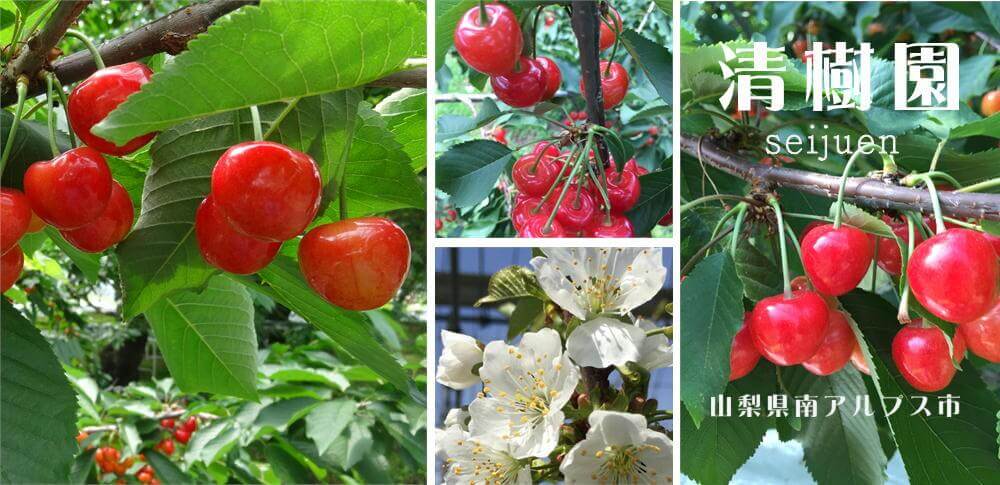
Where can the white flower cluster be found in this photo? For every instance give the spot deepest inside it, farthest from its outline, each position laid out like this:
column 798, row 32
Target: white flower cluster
column 518, row 416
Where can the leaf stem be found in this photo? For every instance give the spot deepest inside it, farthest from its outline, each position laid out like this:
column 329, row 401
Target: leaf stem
column 781, row 241
column 741, row 212
column 986, row 184
column 65, row 104
column 22, row 92
column 281, row 117
column 94, row 52
column 935, row 202
column 710, row 198
column 843, row 183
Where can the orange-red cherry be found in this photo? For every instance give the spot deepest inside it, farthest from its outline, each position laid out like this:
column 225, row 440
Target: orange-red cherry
column 836, row 349
column 982, row 335
column 921, row 354
column 356, row 264
column 743, row 354
column 15, row 217
column 608, row 34
column 493, row 47
column 11, row 264
column 836, row 259
column 93, row 99
column 614, row 84
column 553, row 76
column 226, row 248
column 890, row 258
column 954, row 275
column 788, row 331
column 523, row 86
column 109, row 228
column 71, row 190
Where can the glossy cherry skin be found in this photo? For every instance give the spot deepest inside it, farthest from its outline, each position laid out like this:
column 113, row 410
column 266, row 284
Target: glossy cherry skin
column 836, row 349
column 921, row 355
column 356, row 264
column 266, row 190
column 491, row 49
column 534, row 227
column 623, row 189
column 809, row 227
column 523, row 86
column 109, row 228
column 11, row 263
column 836, row 259
column 618, row 226
column 71, row 190
column 15, row 217
column 93, row 99
column 526, row 207
column 983, row 334
column 632, row 166
column 994, row 240
column 990, row 104
column 743, row 354
column 226, row 248
column 577, row 209
column 607, row 35
column 668, row 219
column 614, row 84
column 553, row 76
column 549, row 149
column 533, row 175
column 890, row 258
column 954, row 275
column 789, row 331
column 802, row 283
column 858, row 359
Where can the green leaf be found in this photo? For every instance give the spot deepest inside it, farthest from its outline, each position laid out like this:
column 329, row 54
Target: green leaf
column 165, row 469
column 619, row 151
column 961, row 448
column 450, row 126
column 468, row 171
column 348, row 449
column 209, row 442
column 208, row 339
column 348, row 329
column 274, row 52
column 31, row 144
column 279, row 415
column 405, row 114
column 328, row 420
column 529, row 313
column 28, row 6
column 718, row 447
column 89, row 263
column 37, row 406
column 841, row 443
column 446, row 15
column 986, row 126
column 760, row 276
column 510, row 283
column 861, row 219
column 653, row 59
column 712, row 296
column 286, row 465
column 655, row 199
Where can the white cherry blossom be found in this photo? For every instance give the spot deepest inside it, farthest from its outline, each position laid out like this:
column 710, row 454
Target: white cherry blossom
column 603, row 342
column 460, row 355
column 589, row 282
column 470, row 460
column 525, row 389
column 655, row 351
column 619, row 449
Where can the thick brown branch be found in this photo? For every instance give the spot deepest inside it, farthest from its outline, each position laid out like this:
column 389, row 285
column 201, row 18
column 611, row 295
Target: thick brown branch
column 862, row 191
column 586, row 21
column 34, row 55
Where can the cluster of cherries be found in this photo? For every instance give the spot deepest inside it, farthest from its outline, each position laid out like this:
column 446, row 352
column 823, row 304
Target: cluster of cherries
column 489, row 39
column 75, row 192
column 954, row 275
column 542, row 176
column 109, row 460
column 182, row 433
column 263, row 193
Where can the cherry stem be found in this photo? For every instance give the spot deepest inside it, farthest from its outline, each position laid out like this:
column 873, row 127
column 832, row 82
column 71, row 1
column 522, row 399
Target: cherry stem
column 65, row 104
column 22, row 93
column 843, row 183
column 935, row 202
column 484, row 18
column 875, row 265
column 573, row 159
column 562, row 194
column 808, row 216
column 96, row 54
column 781, row 242
column 709, row 198
column 601, row 184
column 741, row 212
column 668, row 331
column 534, row 31
column 986, row 184
column 723, row 220
column 795, row 241
column 937, row 155
column 904, row 299
column 52, row 116
column 701, row 251
column 258, row 133
column 914, row 179
column 281, row 117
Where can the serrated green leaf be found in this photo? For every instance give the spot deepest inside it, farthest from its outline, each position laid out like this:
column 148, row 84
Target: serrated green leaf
column 528, row 313
column 510, row 283
column 760, row 276
column 712, row 296
column 88, row 263
column 655, row 200
column 353, row 444
column 653, row 59
column 37, row 406
column 327, row 421
column 450, row 126
column 208, row 339
column 166, row 470
column 210, row 441
column 405, row 114
column 468, row 171
column 446, row 15
column 859, row 218
column 273, row 52
column 31, row 144
column 286, row 465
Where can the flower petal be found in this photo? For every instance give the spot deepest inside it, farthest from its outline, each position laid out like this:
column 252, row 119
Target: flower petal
column 604, row 342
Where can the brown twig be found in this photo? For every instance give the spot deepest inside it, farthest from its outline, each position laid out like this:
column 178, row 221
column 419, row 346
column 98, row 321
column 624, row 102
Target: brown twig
column 586, row 21
column 863, row 191
column 34, row 55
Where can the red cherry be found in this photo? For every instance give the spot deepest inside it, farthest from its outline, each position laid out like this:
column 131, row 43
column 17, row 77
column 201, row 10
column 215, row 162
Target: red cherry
column 812, row 225
column 224, row 247
column 526, row 208
column 532, row 176
column 836, row 349
column 452, row 215
column 789, row 331
column 11, row 264
column 182, row 435
column 954, row 275
column 36, row 224
column 15, row 217
column 266, row 190
column 983, row 334
column 623, row 189
column 109, row 228
column 921, row 355
column 491, row 49
column 799, row 48
column 990, row 103
column 499, row 134
column 614, row 84
column 617, row 226
column 166, row 446
column 668, row 219
column 858, row 359
column 553, row 76
column 549, row 20
column 632, row 166
column 521, row 87
column 836, row 259
column 743, row 355
column 534, row 226
column 71, row 190
column 93, row 99
column 577, row 209
column 190, row 425
column 608, row 34
column 438, row 224
column 357, row 264
column 167, row 423
column 890, row 259
column 992, row 238
column 549, row 148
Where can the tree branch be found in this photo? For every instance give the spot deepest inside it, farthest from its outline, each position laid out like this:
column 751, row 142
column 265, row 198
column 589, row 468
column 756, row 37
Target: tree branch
column 863, row 191
column 34, row 55
column 586, row 21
